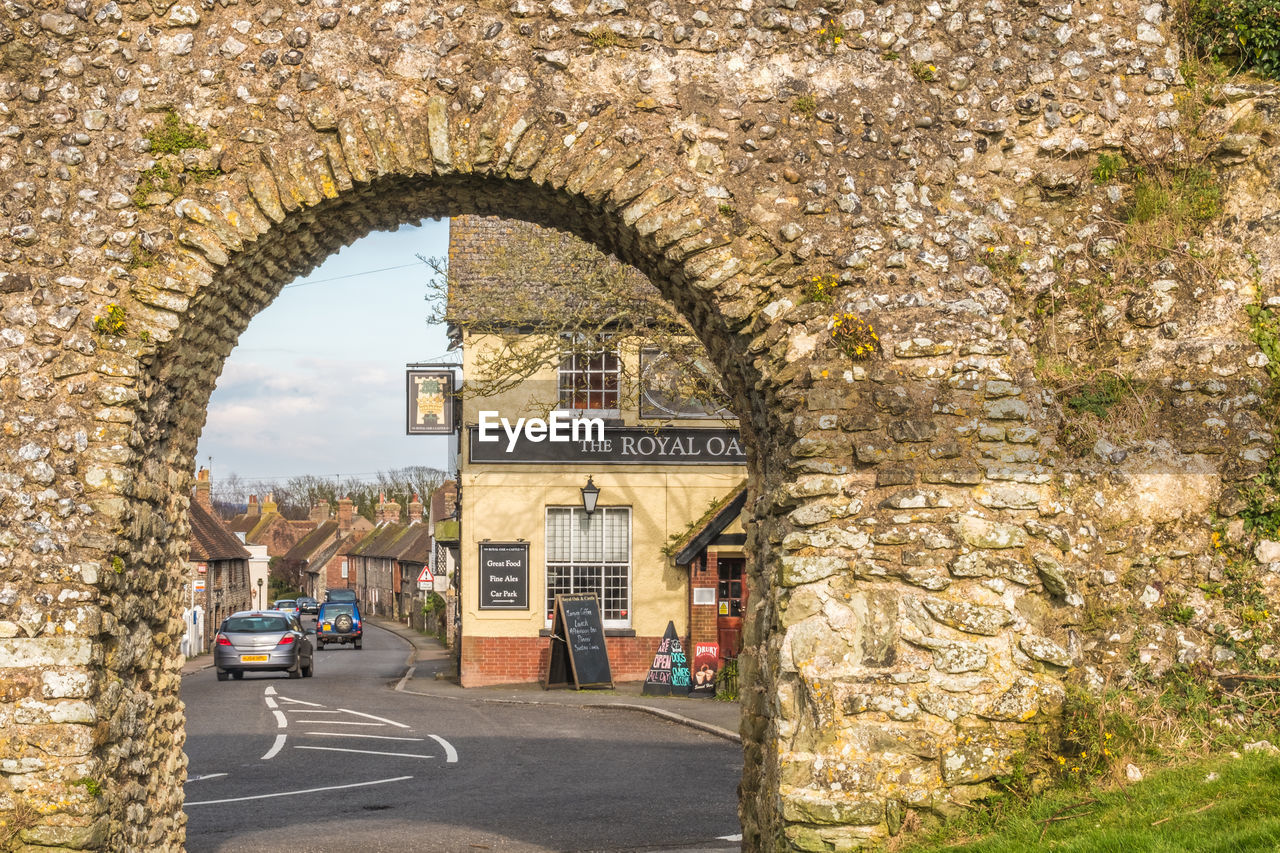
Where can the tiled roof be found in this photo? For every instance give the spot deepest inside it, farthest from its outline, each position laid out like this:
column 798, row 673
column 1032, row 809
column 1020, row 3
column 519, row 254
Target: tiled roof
column 415, row 545
column 394, row 541
column 306, row 547
column 210, row 540
column 506, row 272
column 704, row 531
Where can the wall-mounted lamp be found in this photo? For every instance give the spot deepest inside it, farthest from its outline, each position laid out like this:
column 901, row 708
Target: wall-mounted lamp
column 590, row 494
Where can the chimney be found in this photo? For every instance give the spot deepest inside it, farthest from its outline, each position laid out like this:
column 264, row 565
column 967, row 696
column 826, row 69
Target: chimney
column 346, row 510
column 320, row 512
column 204, row 489
column 415, row 510
column 388, row 511
column 269, row 505
column 252, row 511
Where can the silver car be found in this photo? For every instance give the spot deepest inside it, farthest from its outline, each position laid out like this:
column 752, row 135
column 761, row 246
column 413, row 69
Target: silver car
column 262, row 640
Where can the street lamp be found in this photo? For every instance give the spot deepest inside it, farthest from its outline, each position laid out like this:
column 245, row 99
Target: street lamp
column 260, row 601
column 590, row 494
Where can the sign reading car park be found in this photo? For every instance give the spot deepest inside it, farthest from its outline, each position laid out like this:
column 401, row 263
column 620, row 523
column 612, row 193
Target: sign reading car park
column 504, row 575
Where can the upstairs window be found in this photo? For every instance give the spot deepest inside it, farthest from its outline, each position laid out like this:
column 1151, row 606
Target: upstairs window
column 589, row 380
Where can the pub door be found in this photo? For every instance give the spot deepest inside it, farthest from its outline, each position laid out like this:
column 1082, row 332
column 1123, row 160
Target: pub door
column 730, row 604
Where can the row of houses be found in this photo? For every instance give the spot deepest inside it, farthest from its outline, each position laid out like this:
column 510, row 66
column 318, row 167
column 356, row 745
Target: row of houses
column 382, row 560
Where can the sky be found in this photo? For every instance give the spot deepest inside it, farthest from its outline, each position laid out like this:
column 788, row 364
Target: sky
column 316, row 384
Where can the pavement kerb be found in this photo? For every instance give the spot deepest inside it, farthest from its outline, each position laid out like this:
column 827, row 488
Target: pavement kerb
column 453, row 691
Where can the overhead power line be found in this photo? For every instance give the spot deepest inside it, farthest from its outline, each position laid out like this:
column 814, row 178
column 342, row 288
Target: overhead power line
column 338, row 278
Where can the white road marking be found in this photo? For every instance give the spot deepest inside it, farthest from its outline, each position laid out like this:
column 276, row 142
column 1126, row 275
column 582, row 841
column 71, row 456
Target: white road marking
column 271, row 703
column 372, row 717
column 296, row 793
column 275, row 748
column 364, row 751
column 271, row 691
column 202, row 777
column 451, row 754
column 310, row 711
column 339, row 723
column 281, row 722
column 366, row 737
column 737, row 837
column 300, row 702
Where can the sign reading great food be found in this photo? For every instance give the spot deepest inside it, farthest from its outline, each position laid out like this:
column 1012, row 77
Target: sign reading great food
column 504, row 575
column 606, row 444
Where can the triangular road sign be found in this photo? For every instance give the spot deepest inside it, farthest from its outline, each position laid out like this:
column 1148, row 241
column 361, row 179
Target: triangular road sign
column 425, row 575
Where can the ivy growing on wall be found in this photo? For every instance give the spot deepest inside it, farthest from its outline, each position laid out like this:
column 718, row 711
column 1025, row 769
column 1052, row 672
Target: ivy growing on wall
column 1244, row 33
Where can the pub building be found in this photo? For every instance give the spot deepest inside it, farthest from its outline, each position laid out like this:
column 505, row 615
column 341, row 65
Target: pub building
column 641, row 510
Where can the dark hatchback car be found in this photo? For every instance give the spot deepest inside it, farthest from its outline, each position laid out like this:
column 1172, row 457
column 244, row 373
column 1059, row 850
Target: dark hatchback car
column 339, row 594
column 339, row 623
column 307, row 604
column 262, row 641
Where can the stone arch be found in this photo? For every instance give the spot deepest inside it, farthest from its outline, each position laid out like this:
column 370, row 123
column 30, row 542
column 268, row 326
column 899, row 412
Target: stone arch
column 918, row 570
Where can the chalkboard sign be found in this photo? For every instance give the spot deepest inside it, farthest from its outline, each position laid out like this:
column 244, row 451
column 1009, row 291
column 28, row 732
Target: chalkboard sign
column 669, row 674
column 577, row 644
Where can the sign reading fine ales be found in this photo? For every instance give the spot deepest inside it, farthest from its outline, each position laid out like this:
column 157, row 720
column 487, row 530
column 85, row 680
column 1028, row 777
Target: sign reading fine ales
column 504, row 575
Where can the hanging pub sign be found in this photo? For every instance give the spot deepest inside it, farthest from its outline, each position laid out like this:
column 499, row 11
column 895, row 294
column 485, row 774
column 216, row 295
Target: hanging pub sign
column 669, row 674
column 504, row 575
column 429, row 402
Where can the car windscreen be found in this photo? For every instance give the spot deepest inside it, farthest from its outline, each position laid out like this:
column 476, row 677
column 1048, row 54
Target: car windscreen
column 331, row 610
column 256, row 625
column 284, row 602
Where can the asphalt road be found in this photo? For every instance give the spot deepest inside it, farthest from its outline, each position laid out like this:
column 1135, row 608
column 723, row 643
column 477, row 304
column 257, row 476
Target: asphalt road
column 341, row 762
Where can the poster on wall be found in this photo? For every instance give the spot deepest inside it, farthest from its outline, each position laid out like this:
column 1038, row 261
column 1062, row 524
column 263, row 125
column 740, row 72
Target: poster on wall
column 504, row 576
column 706, row 662
column 428, row 399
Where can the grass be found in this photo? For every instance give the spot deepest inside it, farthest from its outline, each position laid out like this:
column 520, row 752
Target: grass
column 1220, row 805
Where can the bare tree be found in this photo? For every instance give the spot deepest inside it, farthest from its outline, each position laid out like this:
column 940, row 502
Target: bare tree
column 542, row 295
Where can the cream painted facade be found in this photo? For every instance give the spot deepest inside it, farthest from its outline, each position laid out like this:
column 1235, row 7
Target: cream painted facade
column 508, row 502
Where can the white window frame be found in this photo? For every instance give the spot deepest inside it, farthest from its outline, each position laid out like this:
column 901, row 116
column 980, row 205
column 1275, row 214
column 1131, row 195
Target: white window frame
column 564, row 375
column 548, row 564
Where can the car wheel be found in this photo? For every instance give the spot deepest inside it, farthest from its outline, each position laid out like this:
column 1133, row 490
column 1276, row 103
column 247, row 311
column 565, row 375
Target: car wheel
column 309, row 670
column 237, row 674
column 223, row 675
column 295, row 671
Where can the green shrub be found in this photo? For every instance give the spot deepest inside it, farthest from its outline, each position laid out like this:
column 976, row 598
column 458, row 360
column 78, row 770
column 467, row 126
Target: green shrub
column 1238, row 32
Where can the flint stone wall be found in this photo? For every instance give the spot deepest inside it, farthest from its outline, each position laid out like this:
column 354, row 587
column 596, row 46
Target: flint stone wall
column 924, row 555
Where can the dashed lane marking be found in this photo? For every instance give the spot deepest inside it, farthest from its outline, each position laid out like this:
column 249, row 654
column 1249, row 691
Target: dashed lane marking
column 271, row 691
column 364, row 751
column 297, row 793
column 340, row 723
column 271, row 703
column 204, row 776
column 451, row 754
column 275, row 748
column 300, row 702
